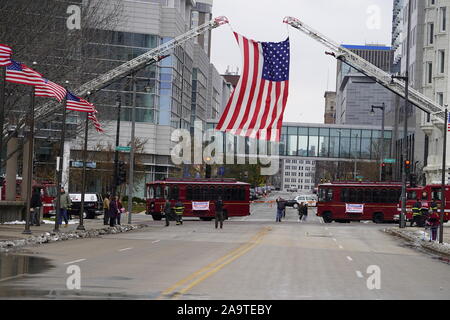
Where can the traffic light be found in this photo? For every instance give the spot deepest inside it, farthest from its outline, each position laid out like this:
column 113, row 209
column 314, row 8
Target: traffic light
column 121, row 174
column 407, row 167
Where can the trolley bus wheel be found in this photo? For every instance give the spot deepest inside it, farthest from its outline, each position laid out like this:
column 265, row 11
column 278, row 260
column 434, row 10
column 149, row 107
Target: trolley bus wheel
column 157, row 217
column 327, row 217
column 378, row 218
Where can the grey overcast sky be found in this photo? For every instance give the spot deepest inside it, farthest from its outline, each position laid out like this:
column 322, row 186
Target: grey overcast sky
column 311, row 71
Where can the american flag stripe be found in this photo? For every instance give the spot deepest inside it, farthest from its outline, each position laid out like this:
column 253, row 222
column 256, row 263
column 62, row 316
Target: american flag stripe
column 256, row 107
column 19, row 73
column 5, row 55
column 51, row 89
column 75, row 103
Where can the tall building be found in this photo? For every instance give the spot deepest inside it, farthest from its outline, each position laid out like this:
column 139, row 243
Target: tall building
column 355, row 93
column 330, row 107
column 397, row 35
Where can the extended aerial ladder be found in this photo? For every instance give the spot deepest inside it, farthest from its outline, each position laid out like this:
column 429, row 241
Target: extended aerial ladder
column 383, row 78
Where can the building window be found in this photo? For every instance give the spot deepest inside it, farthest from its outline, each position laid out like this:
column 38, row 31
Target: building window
column 441, row 54
column 429, row 72
column 440, row 98
column 443, row 18
column 430, row 33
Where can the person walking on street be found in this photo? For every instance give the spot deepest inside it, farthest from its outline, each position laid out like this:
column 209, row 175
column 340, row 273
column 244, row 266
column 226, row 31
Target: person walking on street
column 167, row 212
column 281, row 207
column 219, row 212
column 106, row 209
column 434, row 220
column 300, row 211
column 179, row 210
column 416, row 209
column 35, row 207
column 65, row 203
column 305, row 212
column 113, row 211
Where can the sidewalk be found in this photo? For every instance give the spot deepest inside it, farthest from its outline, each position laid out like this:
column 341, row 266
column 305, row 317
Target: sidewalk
column 12, row 237
column 420, row 237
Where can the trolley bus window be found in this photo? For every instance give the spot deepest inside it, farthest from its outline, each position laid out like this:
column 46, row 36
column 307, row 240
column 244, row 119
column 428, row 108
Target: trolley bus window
column 368, row 196
column 353, row 197
column 241, row 194
column 235, row 194
column 189, row 193
column 167, row 192
column 220, row 192
column 196, row 195
column 212, row 193
column 175, row 193
column 204, row 194
column 151, row 192
column 345, row 195
column 227, row 195
column 384, row 195
column 158, row 192
column 359, row 196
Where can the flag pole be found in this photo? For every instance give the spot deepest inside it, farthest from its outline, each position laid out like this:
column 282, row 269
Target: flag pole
column 30, row 163
column 444, row 165
column 59, row 164
column 83, row 183
column 2, row 118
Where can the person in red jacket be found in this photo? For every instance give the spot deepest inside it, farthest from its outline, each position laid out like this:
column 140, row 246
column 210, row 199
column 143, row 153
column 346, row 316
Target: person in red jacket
column 434, row 221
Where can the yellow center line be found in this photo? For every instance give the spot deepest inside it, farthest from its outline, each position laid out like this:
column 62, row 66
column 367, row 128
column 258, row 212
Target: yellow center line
column 214, row 266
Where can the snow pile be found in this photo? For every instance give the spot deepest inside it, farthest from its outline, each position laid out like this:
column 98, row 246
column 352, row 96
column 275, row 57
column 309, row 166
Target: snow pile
column 48, row 237
column 17, row 222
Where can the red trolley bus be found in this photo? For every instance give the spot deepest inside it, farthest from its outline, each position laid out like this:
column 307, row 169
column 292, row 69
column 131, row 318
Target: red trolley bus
column 355, row 201
column 235, row 196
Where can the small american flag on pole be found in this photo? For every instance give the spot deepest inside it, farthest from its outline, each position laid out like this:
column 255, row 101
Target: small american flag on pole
column 19, row 73
column 5, row 55
column 75, row 103
column 257, row 105
column 50, row 89
column 448, row 123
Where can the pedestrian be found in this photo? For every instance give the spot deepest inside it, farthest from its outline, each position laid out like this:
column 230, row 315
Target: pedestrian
column 167, row 212
column 416, row 209
column 219, row 212
column 424, row 212
column 35, row 207
column 106, row 203
column 65, row 203
column 300, row 211
column 281, row 207
column 179, row 210
column 120, row 210
column 305, row 211
column 113, row 211
column 434, row 220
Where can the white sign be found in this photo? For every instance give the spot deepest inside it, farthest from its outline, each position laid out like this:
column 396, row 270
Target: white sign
column 76, row 197
column 200, row 206
column 354, row 208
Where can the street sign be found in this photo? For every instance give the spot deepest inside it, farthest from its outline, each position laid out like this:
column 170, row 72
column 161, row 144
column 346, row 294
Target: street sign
column 123, row 149
column 389, row 161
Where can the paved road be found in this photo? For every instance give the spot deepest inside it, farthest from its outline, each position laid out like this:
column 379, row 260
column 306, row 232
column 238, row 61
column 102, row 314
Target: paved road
column 251, row 258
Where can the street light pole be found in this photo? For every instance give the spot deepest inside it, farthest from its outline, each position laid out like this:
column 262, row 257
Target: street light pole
column 116, row 153
column 444, row 165
column 133, row 146
column 382, row 108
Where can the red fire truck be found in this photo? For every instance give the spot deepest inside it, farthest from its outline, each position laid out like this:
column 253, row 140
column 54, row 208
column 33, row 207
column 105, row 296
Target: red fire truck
column 426, row 195
column 46, row 188
column 358, row 201
column 198, row 197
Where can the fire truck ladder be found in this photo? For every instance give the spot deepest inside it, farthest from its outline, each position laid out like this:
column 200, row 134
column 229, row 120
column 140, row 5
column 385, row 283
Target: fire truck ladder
column 383, row 78
column 133, row 65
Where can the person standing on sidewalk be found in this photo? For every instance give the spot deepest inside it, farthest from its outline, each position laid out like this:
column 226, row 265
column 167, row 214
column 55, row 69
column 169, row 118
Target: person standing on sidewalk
column 120, row 210
column 35, row 207
column 219, row 212
column 113, row 212
column 65, row 203
column 106, row 203
column 434, row 220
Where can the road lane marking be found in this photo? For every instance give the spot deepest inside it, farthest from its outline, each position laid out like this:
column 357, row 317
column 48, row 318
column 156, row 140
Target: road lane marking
column 14, row 277
column 341, row 247
column 125, row 249
column 359, row 274
column 76, row 261
column 334, row 239
column 156, row 241
column 212, row 268
column 349, row 258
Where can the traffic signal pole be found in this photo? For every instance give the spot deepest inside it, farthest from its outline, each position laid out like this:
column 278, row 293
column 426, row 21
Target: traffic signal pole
column 116, row 153
column 444, row 167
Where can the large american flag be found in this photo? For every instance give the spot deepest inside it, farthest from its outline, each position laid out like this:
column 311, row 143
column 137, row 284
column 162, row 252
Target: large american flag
column 97, row 125
column 19, row 73
column 5, row 55
column 75, row 103
column 50, row 89
column 257, row 105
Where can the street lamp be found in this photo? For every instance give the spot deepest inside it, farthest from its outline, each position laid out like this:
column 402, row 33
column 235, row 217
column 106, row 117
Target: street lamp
column 372, row 113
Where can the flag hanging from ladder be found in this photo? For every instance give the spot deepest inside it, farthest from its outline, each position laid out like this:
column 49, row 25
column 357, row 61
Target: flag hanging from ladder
column 256, row 107
column 97, row 125
column 75, row 103
column 5, row 55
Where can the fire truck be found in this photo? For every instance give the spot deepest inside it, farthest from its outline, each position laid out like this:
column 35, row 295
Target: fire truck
column 426, row 195
column 47, row 190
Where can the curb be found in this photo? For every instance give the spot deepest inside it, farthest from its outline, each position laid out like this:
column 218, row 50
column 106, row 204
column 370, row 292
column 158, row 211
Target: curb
column 431, row 246
column 50, row 237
